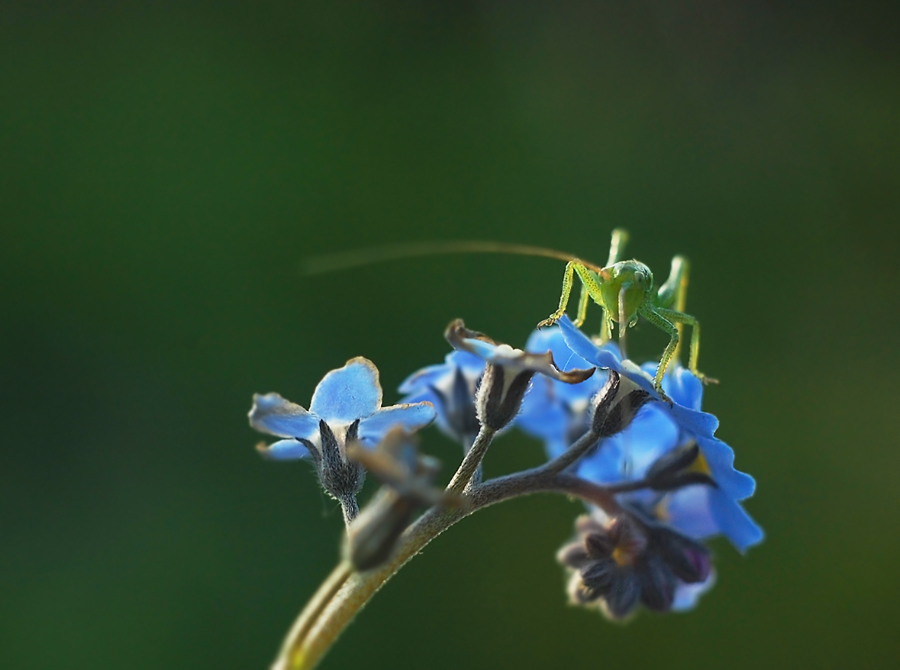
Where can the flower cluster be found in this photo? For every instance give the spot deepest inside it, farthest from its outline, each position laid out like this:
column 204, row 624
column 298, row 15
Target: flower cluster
column 678, row 481
column 656, row 480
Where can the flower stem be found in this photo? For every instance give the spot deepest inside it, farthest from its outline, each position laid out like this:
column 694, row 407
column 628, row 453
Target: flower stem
column 327, row 620
column 345, row 593
column 578, row 449
column 472, row 460
column 308, row 616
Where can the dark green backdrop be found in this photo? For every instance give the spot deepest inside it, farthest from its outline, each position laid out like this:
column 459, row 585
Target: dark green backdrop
column 163, row 170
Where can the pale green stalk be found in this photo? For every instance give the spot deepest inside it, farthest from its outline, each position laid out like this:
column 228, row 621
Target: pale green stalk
column 345, row 592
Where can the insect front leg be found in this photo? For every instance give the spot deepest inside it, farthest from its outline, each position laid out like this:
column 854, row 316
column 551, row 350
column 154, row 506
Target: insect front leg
column 582, row 306
column 605, row 327
column 590, row 286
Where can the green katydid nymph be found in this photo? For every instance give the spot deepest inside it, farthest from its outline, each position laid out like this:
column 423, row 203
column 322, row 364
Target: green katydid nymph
column 623, row 288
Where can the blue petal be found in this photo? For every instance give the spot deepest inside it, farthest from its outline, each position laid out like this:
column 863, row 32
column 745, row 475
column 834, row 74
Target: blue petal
column 465, row 361
column 285, row 450
column 698, row 424
column 427, row 376
column 545, row 420
column 348, row 393
column 274, row 415
column 689, row 510
column 606, row 465
column 575, row 394
column 482, row 349
column 433, row 374
column 719, row 510
column 410, row 417
column 552, row 340
column 650, row 435
column 720, row 458
column 604, row 357
column 680, row 384
column 684, row 387
column 436, row 384
column 428, row 395
column 734, row 522
column 420, row 395
column 538, row 405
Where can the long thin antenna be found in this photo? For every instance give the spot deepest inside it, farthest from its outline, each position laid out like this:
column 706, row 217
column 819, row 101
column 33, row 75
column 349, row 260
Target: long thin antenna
column 350, row 259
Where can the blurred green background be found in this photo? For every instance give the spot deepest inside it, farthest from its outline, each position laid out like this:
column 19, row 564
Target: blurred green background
column 163, row 170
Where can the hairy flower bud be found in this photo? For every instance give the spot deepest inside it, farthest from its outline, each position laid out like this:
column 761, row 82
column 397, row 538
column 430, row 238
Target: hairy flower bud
column 616, row 405
column 500, row 395
column 679, row 467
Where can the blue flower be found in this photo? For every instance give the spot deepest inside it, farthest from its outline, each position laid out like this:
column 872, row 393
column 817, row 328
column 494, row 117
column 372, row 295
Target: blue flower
column 450, row 386
column 554, row 411
column 346, row 396
column 699, row 511
column 508, row 373
column 345, row 408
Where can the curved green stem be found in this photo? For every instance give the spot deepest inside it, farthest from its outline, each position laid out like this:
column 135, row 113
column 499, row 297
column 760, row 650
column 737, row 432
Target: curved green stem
column 310, row 613
column 326, row 623
column 345, row 592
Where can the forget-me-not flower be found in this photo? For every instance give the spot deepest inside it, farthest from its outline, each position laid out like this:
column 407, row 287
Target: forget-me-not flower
column 346, row 406
column 450, row 386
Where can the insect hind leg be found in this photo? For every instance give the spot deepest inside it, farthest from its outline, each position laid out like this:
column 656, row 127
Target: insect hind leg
column 687, row 319
column 617, row 246
column 657, row 319
column 673, row 293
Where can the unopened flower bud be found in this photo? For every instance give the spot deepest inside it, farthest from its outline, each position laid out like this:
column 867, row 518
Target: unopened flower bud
column 500, row 395
column 679, row 467
column 616, row 405
column 407, row 477
column 372, row 535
